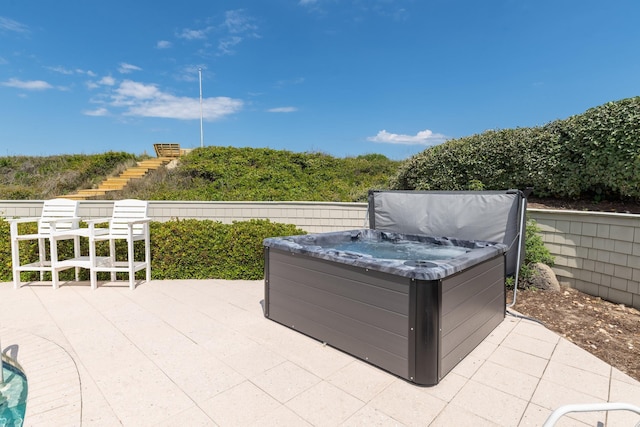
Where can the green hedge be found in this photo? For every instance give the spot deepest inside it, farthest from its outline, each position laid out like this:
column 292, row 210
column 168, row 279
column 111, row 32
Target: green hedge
column 180, row 249
column 205, row 249
column 594, row 155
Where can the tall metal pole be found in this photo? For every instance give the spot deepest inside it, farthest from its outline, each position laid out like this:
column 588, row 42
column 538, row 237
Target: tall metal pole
column 201, row 132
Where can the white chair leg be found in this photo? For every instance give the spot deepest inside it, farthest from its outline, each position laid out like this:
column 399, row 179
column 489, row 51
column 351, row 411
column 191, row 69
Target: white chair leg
column 15, row 262
column 53, row 248
column 76, row 254
column 147, row 255
column 92, row 264
column 131, row 260
column 112, row 254
column 42, row 255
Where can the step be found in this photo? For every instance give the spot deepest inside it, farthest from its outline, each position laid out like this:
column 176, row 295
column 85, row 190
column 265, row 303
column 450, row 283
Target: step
column 73, row 197
column 92, row 192
column 157, row 160
column 118, row 180
column 87, row 194
column 140, row 168
column 151, row 165
column 111, row 187
column 133, row 174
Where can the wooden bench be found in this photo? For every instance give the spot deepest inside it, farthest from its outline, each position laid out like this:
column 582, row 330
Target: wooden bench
column 167, row 149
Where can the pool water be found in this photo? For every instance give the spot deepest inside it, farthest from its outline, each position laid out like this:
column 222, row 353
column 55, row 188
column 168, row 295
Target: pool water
column 404, row 250
column 13, row 397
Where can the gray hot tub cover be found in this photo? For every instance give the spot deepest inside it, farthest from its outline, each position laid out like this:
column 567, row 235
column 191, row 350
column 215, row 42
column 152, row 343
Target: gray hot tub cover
column 493, row 216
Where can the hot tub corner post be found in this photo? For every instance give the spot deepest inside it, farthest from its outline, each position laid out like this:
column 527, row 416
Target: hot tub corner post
column 266, row 282
column 412, row 333
column 504, row 289
column 428, row 296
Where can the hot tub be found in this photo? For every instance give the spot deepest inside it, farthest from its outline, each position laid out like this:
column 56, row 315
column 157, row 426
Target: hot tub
column 413, row 305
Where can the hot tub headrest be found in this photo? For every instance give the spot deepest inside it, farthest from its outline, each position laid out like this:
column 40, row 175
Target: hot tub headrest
column 494, row 216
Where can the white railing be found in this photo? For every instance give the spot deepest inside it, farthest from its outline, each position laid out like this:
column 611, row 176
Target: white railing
column 589, row 407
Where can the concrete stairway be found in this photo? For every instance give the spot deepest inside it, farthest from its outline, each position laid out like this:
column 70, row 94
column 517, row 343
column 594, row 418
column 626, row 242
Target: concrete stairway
column 119, row 182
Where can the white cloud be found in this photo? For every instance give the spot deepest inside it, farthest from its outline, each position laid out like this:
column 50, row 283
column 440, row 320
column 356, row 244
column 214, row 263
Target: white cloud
column 28, row 85
column 66, row 71
column 7, row 24
column 289, row 82
column 163, row 44
column 316, row 6
column 189, row 34
column 189, row 73
column 237, row 22
column 61, row 70
column 361, row 10
column 147, row 100
column 107, row 81
column 98, row 112
column 183, row 108
column 282, row 110
column 130, row 93
column 424, row 137
column 236, row 27
column 239, row 26
column 128, row 68
column 225, row 45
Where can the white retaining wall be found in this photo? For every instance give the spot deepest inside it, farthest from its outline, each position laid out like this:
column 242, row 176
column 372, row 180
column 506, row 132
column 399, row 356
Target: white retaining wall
column 597, row 253
column 313, row 217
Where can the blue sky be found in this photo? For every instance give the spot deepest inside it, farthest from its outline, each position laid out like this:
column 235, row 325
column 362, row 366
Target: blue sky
column 344, row 77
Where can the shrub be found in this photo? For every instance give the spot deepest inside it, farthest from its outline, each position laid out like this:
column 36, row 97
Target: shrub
column 188, row 249
column 205, row 249
column 5, row 251
column 594, row 155
column 535, row 251
column 17, row 192
column 245, row 252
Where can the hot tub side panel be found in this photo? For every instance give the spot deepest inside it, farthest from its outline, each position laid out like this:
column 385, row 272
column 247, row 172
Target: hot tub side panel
column 362, row 312
column 472, row 305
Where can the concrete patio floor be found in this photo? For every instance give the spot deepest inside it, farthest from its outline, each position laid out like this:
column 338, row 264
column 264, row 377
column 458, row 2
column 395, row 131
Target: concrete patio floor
column 201, row 353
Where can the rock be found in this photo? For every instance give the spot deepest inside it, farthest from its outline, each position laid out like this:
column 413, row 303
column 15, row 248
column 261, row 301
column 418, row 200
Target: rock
column 544, row 278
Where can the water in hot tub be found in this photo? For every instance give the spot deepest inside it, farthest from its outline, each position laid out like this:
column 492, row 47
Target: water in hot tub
column 404, row 250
